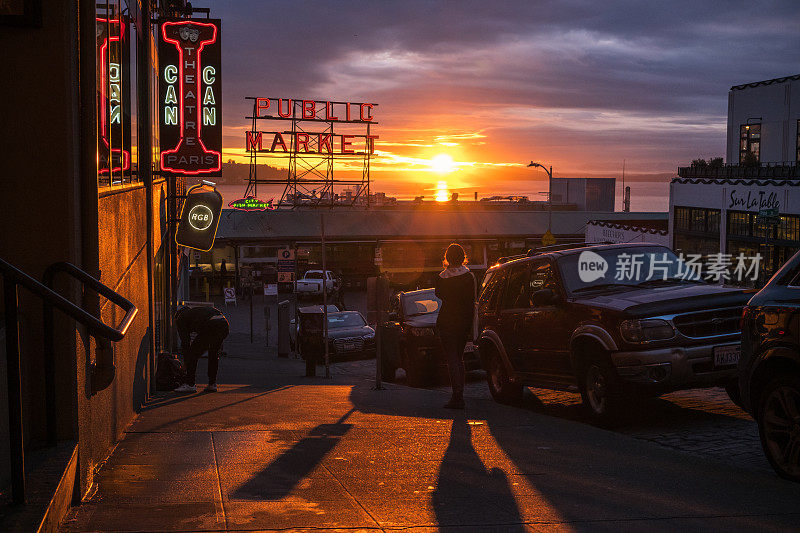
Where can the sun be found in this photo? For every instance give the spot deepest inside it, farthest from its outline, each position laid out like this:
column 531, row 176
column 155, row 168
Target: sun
column 443, row 163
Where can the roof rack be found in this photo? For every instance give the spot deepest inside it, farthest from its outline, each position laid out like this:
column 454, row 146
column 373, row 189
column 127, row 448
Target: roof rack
column 558, row 247
column 502, row 260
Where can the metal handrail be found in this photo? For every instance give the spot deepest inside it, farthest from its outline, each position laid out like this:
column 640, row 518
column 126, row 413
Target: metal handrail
column 97, row 327
column 12, row 278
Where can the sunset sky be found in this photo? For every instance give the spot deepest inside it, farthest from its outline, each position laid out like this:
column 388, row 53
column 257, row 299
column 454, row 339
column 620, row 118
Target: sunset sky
column 469, row 92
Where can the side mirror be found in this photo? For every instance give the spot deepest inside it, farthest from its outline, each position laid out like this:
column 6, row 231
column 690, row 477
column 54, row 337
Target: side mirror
column 544, row 297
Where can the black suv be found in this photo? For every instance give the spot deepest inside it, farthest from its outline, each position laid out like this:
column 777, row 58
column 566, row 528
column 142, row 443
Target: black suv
column 564, row 320
column 769, row 369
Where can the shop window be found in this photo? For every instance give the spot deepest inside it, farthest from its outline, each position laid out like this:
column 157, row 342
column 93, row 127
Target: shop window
column 789, row 229
column 739, row 223
column 698, row 220
column 116, row 79
column 749, row 143
column 682, row 218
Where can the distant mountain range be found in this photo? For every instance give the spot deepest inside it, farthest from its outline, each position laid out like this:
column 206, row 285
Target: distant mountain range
column 237, row 173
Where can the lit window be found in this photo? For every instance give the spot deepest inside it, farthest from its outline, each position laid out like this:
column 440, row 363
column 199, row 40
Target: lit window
column 749, row 143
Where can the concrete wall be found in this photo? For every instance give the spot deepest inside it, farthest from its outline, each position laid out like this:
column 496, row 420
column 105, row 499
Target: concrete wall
column 123, row 265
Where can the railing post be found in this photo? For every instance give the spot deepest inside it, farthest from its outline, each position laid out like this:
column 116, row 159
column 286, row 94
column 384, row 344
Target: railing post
column 17, row 454
column 48, row 328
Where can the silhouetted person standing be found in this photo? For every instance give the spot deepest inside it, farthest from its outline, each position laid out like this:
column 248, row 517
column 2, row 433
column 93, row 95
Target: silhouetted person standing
column 455, row 287
column 211, row 328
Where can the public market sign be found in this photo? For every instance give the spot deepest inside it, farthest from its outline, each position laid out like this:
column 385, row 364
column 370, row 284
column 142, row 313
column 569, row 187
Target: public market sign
column 310, row 142
column 190, row 96
column 251, row 203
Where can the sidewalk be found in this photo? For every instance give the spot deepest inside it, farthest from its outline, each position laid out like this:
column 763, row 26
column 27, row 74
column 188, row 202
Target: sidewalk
column 274, row 450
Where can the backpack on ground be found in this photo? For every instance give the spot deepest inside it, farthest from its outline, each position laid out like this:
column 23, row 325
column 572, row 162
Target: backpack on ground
column 170, row 372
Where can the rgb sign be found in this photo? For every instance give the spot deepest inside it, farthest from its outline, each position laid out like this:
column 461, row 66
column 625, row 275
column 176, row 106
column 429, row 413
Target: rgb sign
column 190, row 97
column 199, row 219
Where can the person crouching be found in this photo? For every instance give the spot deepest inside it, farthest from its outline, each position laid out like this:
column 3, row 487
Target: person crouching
column 211, row 328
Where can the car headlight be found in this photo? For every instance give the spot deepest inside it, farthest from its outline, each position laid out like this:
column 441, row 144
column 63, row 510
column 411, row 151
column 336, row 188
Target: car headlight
column 368, row 336
column 651, row 329
column 422, row 332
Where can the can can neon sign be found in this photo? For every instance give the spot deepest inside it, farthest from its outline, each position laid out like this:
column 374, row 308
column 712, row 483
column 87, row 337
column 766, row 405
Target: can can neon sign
column 190, row 97
column 113, row 118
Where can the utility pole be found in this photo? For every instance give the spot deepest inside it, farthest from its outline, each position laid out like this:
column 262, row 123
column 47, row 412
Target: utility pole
column 325, row 298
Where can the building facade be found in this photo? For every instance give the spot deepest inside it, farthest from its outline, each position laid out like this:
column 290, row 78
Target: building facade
column 81, row 185
column 751, row 204
column 763, row 122
column 587, row 194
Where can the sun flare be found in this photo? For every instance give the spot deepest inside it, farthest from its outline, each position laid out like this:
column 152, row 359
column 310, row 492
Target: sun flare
column 442, row 193
column 442, row 163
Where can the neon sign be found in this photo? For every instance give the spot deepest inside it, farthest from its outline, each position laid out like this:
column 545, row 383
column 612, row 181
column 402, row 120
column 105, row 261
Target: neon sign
column 197, row 225
column 113, row 118
column 325, row 142
column 251, row 203
column 190, row 97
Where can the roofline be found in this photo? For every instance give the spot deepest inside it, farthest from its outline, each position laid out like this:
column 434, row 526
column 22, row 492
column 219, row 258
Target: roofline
column 796, row 77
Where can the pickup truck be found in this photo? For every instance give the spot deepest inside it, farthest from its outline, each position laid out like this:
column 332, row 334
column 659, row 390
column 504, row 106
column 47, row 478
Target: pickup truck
column 312, row 283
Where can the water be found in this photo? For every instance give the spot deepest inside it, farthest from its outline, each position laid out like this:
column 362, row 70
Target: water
column 645, row 195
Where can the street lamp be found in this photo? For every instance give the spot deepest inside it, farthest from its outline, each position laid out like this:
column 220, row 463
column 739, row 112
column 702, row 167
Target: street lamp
column 549, row 193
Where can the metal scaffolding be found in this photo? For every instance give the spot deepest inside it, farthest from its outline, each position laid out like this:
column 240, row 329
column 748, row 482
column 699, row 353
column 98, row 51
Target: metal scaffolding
column 310, row 179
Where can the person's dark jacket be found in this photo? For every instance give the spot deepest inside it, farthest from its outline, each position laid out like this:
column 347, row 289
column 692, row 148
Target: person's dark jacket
column 456, row 289
column 191, row 319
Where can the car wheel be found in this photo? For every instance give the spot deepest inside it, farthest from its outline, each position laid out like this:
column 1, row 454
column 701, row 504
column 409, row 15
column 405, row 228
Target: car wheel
column 734, row 393
column 779, row 425
column 501, row 387
column 600, row 392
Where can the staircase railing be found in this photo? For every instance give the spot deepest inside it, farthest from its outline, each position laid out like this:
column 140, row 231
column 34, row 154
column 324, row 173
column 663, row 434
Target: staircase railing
column 13, row 278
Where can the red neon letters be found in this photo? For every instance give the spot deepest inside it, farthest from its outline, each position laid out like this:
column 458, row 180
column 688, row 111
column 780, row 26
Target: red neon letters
column 195, row 106
column 311, row 143
column 312, row 110
column 110, row 104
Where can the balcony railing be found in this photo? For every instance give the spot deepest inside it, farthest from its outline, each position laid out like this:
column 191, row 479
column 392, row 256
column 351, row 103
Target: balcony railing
column 787, row 170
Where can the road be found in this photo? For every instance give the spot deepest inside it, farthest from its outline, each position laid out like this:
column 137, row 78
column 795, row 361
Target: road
column 703, row 422
column 274, row 450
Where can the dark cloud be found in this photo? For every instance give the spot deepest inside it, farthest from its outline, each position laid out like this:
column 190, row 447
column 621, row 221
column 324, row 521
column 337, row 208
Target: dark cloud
column 518, row 64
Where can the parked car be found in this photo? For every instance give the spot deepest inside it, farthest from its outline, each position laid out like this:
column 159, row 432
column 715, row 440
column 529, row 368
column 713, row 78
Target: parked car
column 558, row 320
column 769, row 368
column 313, row 282
column 348, row 335
column 410, row 341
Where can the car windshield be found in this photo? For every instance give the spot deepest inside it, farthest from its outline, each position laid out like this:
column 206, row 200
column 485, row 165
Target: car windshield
column 630, row 266
column 420, row 303
column 350, row 319
column 313, row 275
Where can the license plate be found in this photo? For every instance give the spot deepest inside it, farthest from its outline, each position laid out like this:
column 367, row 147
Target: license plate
column 727, row 355
column 349, row 347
